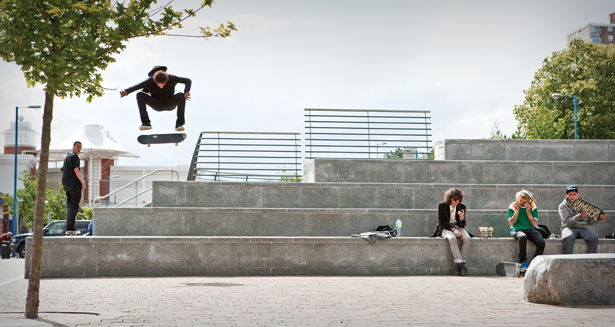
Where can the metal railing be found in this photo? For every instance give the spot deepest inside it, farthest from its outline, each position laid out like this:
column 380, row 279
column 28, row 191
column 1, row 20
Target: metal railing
column 246, row 156
column 100, row 198
column 366, row 133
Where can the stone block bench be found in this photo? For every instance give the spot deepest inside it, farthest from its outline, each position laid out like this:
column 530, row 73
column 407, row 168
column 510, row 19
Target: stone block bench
column 108, row 256
column 459, row 171
column 363, row 195
column 526, row 150
column 578, row 279
column 300, row 222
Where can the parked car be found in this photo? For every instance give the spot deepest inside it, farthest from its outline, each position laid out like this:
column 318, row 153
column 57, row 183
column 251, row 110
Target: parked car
column 55, row 228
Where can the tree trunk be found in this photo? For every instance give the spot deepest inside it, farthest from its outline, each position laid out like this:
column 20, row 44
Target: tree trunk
column 36, row 252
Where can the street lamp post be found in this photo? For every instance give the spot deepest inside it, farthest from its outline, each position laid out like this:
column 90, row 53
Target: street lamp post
column 557, row 96
column 15, row 204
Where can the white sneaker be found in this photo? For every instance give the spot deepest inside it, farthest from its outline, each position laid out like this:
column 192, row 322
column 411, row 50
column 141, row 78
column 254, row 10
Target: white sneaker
column 145, row 127
column 179, row 128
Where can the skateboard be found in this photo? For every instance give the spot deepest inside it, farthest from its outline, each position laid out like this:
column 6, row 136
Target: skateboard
column 592, row 211
column 161, row 138
column 510, row 269
column 72, row 233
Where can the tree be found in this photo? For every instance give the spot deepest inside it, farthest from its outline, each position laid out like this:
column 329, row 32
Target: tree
column 55, row 204
column 395, row 154
column 87, row 214
column 64, row 45
column 586, row 70
column 496, row 133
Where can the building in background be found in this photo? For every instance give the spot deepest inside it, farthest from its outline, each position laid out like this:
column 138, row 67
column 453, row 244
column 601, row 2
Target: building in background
column 26, row 160
column 98, row 158
column 595, row 33
column 98, row 155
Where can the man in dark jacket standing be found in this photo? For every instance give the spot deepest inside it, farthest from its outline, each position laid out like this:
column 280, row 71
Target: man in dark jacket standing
column 159, row 93
column 73, row 183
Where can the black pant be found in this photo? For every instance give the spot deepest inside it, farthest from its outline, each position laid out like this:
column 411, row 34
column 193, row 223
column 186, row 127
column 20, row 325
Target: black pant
column 534, row 236
column 167, row 104
column 72, row 207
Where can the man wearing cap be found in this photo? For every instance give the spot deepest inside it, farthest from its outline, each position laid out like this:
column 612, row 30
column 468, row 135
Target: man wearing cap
column 574, row 224
column 159, row 93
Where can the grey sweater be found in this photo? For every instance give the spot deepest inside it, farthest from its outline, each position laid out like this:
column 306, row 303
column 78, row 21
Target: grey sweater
column 571, row 218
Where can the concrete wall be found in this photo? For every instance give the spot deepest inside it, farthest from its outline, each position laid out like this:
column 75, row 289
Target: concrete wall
column 363, row 195
column 272, row 256
column 460, row 172
column 526, row 150
column 300, row 222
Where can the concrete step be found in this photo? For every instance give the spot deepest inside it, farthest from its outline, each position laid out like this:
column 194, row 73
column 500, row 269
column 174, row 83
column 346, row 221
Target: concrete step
column 459, row 171
column 363, row 195
column 273, row 256
column 525, row 150
column 300, row 222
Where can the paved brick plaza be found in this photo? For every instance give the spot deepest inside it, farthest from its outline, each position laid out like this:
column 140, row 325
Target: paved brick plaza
column 287, row 301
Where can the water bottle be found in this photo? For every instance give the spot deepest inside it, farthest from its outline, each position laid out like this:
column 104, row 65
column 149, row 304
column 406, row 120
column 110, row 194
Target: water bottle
column 398, row 227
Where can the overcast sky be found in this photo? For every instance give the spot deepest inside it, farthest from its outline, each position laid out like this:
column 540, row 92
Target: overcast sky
column 468, row 62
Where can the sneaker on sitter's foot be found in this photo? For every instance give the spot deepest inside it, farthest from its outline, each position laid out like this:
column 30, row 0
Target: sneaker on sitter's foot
column 145, row 127
column 179, row 128
column 523, row 264
column 462, row 269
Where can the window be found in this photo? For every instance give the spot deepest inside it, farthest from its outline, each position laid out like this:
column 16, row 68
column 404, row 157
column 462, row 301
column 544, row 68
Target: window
column 594, row 30
column 595, row 39
column 610, row 38
column 610, row 28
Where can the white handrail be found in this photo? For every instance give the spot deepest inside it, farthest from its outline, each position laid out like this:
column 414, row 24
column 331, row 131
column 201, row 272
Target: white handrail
column 99, row 198
column 132, row 197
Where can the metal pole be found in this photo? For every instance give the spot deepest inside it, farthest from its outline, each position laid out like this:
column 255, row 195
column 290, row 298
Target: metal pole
column 369, row 142
column 15, row 204
column 108, row 179
column 575, row 117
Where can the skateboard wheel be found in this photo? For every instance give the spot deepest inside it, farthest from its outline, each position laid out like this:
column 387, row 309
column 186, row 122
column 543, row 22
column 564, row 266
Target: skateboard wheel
column 176, row 144
column 149, row 145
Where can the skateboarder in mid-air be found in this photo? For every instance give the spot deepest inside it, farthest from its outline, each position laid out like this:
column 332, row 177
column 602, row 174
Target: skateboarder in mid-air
column 159, row 93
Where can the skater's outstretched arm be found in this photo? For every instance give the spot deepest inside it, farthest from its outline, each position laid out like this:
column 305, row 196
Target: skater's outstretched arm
column 133, row 88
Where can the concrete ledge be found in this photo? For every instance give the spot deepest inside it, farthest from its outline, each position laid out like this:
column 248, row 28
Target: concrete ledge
column 299, row 222
column 526, row 150
column 459, row 171
column 362, row 195
column 584, row 279
column 271, row 256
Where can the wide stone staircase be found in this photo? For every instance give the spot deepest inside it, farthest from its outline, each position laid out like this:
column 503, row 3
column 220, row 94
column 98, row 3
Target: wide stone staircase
column 274, row 228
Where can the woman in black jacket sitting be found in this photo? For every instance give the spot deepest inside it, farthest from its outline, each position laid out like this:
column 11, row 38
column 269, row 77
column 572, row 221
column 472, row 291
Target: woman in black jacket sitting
column 451, row 223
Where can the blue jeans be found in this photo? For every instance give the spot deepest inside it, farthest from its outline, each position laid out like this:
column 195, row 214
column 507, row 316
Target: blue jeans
column 570, row 234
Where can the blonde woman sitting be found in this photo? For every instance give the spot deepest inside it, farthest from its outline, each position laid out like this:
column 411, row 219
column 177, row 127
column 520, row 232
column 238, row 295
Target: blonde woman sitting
column 523, row 217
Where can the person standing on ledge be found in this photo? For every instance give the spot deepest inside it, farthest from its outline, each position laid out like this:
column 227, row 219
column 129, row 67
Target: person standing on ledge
column 574, row 224
column 159, row 93
column 522, row 217
column 73, row 183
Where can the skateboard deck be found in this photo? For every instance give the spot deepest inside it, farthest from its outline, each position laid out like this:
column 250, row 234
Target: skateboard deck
column 592, row 211
column 509, row 269
column 161, row 138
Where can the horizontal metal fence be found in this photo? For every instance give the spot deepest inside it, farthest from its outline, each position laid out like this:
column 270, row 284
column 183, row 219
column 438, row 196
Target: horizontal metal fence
column 366, row 134
column 246, row 156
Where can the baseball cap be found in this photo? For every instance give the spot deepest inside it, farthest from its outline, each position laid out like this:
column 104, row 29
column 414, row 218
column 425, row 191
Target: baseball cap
column 572, row 188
